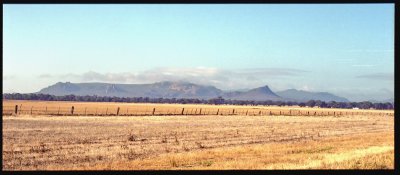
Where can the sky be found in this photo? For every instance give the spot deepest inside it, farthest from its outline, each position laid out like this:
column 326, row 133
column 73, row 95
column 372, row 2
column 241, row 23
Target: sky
column 344, row 49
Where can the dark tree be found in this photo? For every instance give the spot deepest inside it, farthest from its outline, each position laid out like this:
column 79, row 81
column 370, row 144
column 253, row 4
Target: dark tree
column 310, row 103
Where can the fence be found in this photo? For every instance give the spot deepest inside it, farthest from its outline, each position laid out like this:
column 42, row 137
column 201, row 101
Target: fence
column 131, row 111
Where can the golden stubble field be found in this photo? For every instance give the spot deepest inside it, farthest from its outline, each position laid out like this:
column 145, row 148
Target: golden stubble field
column 110, row 108
column 196, row 141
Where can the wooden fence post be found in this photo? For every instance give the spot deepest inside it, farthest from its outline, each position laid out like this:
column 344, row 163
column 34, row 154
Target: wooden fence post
column 117, row 111
column 259, row 113
column 183, row 109
column 270, row 112
column 72, row 110
column 200, row 111
column 154, row 110
column 217, row 111
column 58, row 112
column 85, row 110
column 45, row 111
column 31, row 110
column 106, row 111
column 247, row 112
column 16, row 109
column 233, row 112
column 280, row 112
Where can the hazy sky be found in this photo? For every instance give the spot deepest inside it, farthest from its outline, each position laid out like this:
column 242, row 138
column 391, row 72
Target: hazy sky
column 344, row 49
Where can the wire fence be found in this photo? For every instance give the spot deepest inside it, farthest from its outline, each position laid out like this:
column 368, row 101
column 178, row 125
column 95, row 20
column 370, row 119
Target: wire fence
column 142, row 111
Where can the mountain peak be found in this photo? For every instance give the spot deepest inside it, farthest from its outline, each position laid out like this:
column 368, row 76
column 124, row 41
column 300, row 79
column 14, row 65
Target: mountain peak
column 263, row 89
column 67, row 87
column 258, row 94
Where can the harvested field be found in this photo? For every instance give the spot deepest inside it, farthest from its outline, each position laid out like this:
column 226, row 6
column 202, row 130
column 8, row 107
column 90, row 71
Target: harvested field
column 363, row 151
column 141, row 109
column 159, row 142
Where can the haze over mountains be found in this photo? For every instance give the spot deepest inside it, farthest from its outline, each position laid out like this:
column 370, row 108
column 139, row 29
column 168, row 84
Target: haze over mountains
column 168, row 89
column 300, row 95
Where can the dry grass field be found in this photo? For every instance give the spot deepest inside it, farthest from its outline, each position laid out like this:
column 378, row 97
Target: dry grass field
column 110, row 108
column 46, row 142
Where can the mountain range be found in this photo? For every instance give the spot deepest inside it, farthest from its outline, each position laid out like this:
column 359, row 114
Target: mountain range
column 300, row 95
column 168, row 89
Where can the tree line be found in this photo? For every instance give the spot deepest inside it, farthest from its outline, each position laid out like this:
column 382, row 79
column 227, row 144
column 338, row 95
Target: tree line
column 214, row 101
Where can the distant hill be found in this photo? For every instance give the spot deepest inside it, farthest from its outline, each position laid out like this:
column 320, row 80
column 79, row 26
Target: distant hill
column 168, row 89
column 156, row 90
column 257, row 94
column 302, row 96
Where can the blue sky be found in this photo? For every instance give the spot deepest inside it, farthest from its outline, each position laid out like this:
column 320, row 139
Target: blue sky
column 345, row 49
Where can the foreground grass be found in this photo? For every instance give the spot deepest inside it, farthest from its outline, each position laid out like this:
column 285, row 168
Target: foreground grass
column 196, row 142
column 372, row 161
column 366, row 151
